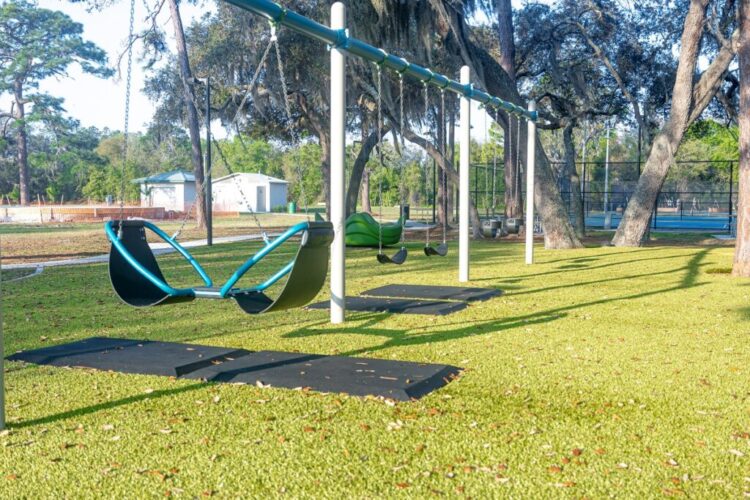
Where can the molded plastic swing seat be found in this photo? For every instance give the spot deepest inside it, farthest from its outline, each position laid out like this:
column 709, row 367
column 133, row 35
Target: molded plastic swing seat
column 306, row 273
column 441, row 250
column 398, row 258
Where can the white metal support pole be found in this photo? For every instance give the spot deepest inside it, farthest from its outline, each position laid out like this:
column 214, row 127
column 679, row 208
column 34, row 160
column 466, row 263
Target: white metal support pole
column 530, row 167
column 338, row 169
column 463, row 181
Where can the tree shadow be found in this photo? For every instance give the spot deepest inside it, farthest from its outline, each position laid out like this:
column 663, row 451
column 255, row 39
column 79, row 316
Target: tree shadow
column 87, row 410
column 413, row 337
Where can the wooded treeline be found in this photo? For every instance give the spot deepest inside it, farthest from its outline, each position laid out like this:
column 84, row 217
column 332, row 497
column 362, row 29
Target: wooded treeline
column 661, row 72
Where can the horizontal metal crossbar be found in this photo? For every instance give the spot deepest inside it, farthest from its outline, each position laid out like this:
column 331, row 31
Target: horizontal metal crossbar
column 341, row 40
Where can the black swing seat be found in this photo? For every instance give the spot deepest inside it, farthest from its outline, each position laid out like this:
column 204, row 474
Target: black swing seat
column 398, row 258
column 138, row 281
column 441, row 250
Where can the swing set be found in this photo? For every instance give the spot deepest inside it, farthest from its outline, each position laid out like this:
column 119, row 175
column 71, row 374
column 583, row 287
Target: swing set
column 137, row 278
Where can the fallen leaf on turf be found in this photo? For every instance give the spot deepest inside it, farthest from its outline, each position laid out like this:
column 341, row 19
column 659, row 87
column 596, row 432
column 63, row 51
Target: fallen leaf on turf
column 600, row 451
column 148, row 391
column 364, row 427
column 554, row 469
column 577, row 452
column 402, row 486
column 108, row 427
column 736, row 453
column 394, row 426
column 565, row 484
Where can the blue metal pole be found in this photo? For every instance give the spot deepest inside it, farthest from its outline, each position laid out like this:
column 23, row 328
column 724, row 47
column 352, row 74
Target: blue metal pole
column 341, row 40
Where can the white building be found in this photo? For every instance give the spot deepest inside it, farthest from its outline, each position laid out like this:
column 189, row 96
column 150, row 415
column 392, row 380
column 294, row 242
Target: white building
column 173, row 190
column 264, row 193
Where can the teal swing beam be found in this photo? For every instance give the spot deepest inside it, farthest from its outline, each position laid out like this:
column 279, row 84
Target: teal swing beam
column 340, row 39
column 228, row 287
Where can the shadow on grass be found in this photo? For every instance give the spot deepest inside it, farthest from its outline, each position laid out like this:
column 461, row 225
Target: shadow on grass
column 368, row 325
column 87, row 410
column 412, row 336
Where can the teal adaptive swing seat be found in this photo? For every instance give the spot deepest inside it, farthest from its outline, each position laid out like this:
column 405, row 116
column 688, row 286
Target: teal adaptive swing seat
column 139, row 282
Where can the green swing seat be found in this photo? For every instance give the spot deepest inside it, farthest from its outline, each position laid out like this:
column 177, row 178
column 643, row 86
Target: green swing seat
column 138, row 281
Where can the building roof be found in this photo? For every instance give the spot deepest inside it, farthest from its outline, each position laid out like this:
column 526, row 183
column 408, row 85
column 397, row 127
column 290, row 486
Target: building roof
column 255, row 178
column 173, row 177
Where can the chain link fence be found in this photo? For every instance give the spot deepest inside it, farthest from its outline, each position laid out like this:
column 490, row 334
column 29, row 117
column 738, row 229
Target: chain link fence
column 696, row 196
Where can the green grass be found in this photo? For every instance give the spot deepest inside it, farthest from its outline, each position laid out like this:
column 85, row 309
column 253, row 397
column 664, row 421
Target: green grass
column 600, row 372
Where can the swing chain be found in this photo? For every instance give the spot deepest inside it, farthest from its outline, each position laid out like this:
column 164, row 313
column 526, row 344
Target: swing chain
column 290, row 120
column 444, row 150
column 126, row 125
column 380, row 158
column 402, row 187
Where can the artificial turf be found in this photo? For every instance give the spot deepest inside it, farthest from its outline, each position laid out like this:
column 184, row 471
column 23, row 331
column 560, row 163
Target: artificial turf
column 600, row 372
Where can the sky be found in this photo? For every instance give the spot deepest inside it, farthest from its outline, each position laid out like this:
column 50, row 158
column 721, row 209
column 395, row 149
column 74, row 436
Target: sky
column 101, row 102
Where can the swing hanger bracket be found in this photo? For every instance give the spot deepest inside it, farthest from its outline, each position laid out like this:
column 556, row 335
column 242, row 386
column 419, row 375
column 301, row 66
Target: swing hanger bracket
column 342, row 40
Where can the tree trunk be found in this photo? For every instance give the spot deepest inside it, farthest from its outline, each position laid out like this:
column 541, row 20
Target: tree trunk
column 22, row 152
column 365, row 191
column 360, row 176
column 507, row 61
column 513, row 198
column 325, row 166
column 576, row 204
column 741, row 266
column 689, row 100
column 186, row 76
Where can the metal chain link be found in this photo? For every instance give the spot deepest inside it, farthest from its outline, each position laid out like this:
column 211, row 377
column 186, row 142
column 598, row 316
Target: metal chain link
column 199, row 112
column 256, row 75
column 290, row 123
column 443, row 147
column 494, row 165
column 426, row 113
column 380, row 157
column 402, row 187
column 126, row 125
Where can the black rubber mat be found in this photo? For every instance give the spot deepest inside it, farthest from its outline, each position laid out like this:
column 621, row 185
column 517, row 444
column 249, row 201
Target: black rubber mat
column 399, row 380
column 130, row 356
column 435, row 292
column 402, row 306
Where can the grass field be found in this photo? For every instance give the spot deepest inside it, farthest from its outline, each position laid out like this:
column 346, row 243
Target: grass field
column 600, row 372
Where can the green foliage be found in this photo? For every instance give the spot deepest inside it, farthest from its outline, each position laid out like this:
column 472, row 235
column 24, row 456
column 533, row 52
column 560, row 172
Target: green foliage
column 304, row 160
column 704, row 152
column 256, row 156
column 36, row 44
